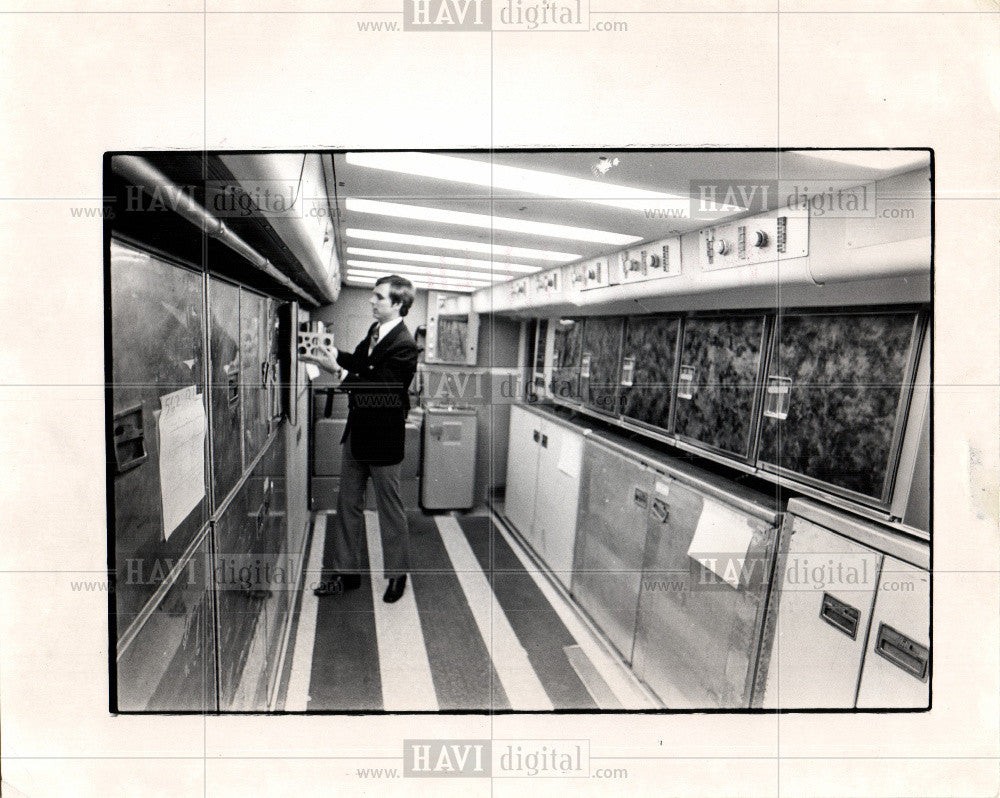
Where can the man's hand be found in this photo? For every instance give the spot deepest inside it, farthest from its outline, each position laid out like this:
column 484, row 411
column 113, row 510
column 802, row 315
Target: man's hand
column 323, row 360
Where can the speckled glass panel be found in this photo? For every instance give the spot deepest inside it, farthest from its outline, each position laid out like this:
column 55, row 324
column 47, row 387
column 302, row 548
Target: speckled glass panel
column 652, row 342
column 844, row 375
column 452, row 338
column 722, row 357
column 566, row 359
column 602, row 340
column 225, row 386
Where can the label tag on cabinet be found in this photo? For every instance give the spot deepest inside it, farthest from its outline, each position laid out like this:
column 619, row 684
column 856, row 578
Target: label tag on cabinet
column 685, row 383
column 721, row 541
column 628, row 371
column 585, row 366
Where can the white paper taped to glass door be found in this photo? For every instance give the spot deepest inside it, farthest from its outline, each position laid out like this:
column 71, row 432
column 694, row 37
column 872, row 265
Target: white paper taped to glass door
column 182, row 426
column 721, row 541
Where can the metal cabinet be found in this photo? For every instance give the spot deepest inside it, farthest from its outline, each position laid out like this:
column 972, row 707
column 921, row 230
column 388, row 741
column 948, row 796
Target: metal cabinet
column 707, row 571
column 836, row 392
column 896, row 670
column 567, row 344
column 253, row 357
column 297, row 452
column 157, row 349
column 244, row 572
column 225, row 386
column 449, row 459
column 649, row 355
column 170, row 664
column 522, row 470
column 822, row 612
column 560, row 458
column 615, row 494
column 543, row 480
column 272, row 555
column 717, row 379
column 600, row 363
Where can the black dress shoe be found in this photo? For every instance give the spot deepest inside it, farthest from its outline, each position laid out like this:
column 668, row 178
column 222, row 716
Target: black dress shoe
column 338, row 585
column 395, row 590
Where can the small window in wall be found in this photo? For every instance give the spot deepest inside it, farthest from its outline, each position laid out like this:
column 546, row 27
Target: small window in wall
column 452, row 329
column 538, row 382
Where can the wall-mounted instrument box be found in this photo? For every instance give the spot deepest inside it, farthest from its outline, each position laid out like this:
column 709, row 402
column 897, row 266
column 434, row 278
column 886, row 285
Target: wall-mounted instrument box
column 452, row 329
column 776, row 235
column 651, row 261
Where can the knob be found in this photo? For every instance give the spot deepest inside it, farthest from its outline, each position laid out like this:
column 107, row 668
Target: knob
column 722, row 247
column 654, row 261
column 760, row 239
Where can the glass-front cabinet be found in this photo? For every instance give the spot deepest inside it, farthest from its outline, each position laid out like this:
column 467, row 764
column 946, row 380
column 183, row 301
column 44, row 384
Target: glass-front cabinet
column 835, row 396
column 567, row 345
column 717, row 379
column 649, row 358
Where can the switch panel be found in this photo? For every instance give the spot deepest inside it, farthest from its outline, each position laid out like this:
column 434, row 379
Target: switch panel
column 651, row 261
column 546, row 284
column 596, row 274
column 779, row 234
column 575, row 276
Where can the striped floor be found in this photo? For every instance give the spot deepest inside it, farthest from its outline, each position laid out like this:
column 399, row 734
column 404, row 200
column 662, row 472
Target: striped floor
column 479, row 628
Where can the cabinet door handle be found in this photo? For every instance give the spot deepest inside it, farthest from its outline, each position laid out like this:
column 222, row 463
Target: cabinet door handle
column 902, row 651
column 545, row 441
column 535, row 435
column 840, row 615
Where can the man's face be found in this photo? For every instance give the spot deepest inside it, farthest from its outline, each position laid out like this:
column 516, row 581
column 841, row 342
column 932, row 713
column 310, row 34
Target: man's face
column 382, row 308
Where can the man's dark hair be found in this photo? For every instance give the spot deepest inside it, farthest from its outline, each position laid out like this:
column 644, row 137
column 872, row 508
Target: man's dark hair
column 400, row 291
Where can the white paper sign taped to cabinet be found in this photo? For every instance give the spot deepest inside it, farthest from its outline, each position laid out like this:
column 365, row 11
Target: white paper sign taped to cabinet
column 721, row 541
column 571, row 455
column 182, row 426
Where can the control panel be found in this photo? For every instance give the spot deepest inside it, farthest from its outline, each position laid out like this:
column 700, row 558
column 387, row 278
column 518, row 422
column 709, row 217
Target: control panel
column 777, row 235
column 518, row 291
column 651, row 261
column 547, row 285
column 600, row 273
column 575, row 276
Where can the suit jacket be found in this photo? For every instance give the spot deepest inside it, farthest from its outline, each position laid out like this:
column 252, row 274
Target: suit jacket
column 378, row 401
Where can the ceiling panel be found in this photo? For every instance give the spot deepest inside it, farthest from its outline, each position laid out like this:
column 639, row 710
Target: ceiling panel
column 667, row 172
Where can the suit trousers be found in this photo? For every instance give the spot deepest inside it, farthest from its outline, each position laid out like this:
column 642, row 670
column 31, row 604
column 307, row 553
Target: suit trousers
column 349, row 530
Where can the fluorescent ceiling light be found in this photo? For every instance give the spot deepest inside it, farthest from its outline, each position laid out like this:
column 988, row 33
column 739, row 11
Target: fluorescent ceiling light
column 495, row 250
column 441, row 260
column 528, row 181
column 425, row 214
column 385, row 269
column 421, row 282
column 884, row 160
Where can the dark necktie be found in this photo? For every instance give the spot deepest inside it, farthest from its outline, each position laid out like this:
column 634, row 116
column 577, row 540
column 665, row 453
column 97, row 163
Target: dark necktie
column 374, row 339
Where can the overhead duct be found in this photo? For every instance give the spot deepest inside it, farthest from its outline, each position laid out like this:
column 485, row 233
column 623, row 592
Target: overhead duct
column 147, row 177
column 305, row 225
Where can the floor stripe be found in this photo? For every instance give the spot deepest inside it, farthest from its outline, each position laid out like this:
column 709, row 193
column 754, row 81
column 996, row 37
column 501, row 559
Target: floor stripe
column 402, row 655
column 588, row 674
column 463, row 672
column 305, row 636
column 623, row 684
column 514, row 668
column 531, row 616
column 345, row 668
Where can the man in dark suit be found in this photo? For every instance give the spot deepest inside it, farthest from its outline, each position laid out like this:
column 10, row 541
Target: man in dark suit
column 380, row 370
